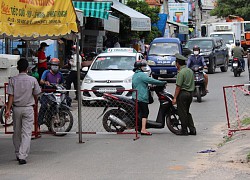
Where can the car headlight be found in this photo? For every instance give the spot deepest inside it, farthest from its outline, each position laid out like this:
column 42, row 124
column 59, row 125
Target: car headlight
column 151, row 63
column 128, row 80
column 173, row 63
column 88, row 80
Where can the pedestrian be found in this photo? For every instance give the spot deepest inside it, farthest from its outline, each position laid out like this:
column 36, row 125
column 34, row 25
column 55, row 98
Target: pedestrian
column 22, row 96
column 140, row 82
column 42, row 59
column 116, row 42
column 183, row 95
column 72, row 77
column 141, row 42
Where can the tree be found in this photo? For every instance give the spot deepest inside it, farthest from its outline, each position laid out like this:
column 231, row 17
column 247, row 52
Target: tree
column 232, row 7
column 127, row 36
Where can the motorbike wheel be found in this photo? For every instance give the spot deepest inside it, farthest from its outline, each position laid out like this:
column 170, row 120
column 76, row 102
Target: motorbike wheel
column 235, row 73
column 2, row 117
column 173, row 122
column 63, row 124
column 198, row 94
column 110, row 126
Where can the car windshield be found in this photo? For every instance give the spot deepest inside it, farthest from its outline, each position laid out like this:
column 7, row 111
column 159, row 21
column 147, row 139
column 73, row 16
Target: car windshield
column 203, row 44
column 113, row 63
column 163, row 49
column 225, row 37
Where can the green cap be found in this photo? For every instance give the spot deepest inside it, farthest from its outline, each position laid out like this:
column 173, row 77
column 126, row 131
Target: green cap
column 180, row 57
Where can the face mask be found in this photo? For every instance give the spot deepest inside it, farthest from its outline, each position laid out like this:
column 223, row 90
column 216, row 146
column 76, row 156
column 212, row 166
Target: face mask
column 144, row 68
column 196, row 52
column 54, row 68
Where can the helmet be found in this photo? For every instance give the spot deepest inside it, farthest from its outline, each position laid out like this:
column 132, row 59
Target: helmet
column 140, row 63
column 197, row 48
column 237, row 43
column 55, row 61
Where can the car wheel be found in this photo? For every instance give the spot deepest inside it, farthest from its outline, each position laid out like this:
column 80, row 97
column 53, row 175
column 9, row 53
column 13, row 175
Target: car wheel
column 211, row 67
column 225, row 67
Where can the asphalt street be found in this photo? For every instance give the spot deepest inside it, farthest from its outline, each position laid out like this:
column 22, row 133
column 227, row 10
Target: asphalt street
column 160, row 156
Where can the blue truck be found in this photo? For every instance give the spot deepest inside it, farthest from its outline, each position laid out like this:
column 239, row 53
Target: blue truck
column 161, row 57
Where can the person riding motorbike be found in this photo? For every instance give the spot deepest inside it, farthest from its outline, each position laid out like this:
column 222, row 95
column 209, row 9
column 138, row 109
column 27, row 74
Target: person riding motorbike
column 197, row 59
column 140, row 82
column 51, row 76
column 238, row 52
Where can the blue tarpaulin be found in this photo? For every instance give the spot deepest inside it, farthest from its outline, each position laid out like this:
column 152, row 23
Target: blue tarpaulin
column 161, row 24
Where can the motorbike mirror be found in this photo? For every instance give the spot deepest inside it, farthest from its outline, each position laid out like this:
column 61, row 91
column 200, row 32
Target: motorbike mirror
column 85, row 69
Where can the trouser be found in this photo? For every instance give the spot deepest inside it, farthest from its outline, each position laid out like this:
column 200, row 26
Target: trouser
column 40, row 72
column 43, row 109
column 72, row 78
column 184, row 101
column 23, row 119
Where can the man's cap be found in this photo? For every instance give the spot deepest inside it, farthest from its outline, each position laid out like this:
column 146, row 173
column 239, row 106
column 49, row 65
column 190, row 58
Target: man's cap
column 44, row 44
column 180, row 57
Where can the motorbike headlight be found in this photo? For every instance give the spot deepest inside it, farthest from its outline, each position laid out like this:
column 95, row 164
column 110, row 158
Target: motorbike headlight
column 128, row 80
column 88, row 80
column 151, row 63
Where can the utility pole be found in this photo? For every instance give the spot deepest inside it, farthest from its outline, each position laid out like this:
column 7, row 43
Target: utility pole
column 197, row 19
column 166, row 11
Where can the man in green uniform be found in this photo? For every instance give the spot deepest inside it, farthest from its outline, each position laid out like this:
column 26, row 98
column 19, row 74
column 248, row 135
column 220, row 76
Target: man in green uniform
column 183, row 95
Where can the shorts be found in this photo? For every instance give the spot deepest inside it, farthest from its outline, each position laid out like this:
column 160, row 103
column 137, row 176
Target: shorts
column 143, row 110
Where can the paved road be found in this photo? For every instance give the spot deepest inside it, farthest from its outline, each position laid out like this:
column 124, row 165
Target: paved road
column 162, row 156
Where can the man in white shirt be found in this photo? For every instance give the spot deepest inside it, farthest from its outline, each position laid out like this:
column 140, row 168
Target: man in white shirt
column 72, row 78
column 142, row 45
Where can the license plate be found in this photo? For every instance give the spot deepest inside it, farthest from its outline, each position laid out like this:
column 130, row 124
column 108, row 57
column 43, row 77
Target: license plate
column 107, row 90
column 235, row 64
column 163, row 71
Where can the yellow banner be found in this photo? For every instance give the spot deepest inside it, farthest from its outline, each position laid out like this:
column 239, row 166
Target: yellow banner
column 34, row 18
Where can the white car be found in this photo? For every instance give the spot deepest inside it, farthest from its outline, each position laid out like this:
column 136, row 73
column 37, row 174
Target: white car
column 110, row 72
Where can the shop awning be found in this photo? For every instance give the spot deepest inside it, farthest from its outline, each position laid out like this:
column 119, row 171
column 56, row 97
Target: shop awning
column 139, row 22
column 183, row 29
column 94, row 9
column 36, row 19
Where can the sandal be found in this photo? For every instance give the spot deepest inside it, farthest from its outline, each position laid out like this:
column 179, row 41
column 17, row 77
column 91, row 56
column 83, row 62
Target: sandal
column 146, row 134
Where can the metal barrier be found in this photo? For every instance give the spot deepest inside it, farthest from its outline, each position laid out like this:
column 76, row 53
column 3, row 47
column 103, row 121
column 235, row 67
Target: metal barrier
column 237, row 104
column 120, row 117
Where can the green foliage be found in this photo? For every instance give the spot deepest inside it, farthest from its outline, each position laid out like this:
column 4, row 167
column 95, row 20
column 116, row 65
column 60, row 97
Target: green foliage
column 232, row 7
column 245, row 121
column 127, row 36
column 248, row 157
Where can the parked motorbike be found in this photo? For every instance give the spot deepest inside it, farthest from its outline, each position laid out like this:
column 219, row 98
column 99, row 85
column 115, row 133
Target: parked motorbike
column 236, row 67
column 3, row 119
column 199, row 81
column 123, row 117
column 57, row 117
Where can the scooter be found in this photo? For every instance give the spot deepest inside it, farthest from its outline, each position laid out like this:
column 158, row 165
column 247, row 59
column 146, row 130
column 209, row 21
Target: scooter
column 199, row 81
column 123, row 117
column 236, row 67
column 57, row 116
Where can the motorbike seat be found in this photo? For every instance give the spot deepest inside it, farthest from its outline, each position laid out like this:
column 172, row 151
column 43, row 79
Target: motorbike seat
column 125, row 99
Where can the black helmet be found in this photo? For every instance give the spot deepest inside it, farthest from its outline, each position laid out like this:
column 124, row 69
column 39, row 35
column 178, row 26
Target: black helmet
column 197, row 48
column 140, row 63
column 237, row 43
